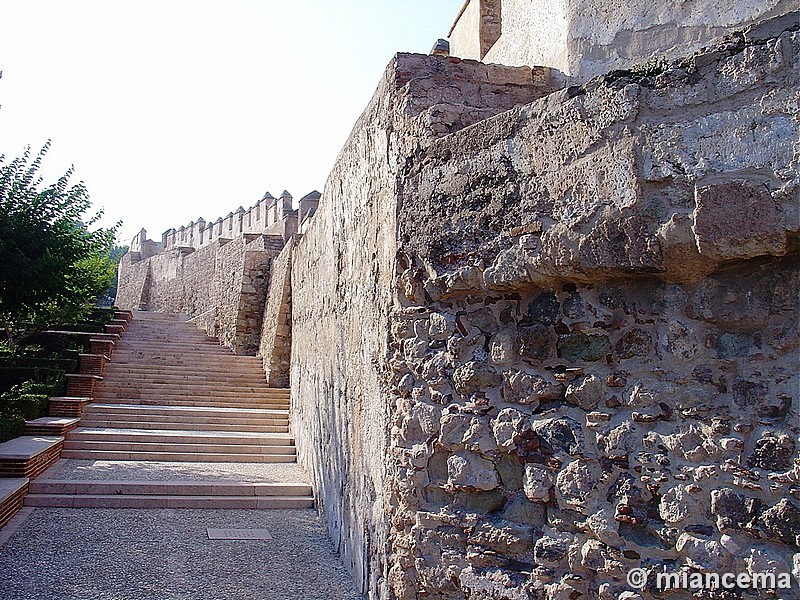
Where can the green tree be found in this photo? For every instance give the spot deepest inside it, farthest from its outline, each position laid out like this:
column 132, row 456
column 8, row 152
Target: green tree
column 52, row 264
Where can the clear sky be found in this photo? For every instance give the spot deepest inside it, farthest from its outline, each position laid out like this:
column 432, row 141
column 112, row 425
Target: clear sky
column 172, row 110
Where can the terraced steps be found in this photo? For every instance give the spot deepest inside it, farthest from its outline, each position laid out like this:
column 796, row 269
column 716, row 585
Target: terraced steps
column 171, row 395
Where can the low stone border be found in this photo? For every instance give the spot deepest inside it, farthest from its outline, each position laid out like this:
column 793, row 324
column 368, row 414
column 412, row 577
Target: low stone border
column 57, row 426
column 29, row 456
column 12, row 494
column 67, row 406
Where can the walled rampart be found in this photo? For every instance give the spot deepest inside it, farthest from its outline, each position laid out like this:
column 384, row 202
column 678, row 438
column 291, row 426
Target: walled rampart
column 594, row 341
column 275, row 342
column 585, row 360
column 268, row 216
column 221, row 286
column 539, row 337
column 586, row 38
column 342, row 282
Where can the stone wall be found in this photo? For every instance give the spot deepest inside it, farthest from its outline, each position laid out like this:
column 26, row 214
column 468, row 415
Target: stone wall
column 222, row 286
column 132, row 282
column 594, row 340
column 275, row 343
column 342, row 275
column 539, row 337
column 587, row 38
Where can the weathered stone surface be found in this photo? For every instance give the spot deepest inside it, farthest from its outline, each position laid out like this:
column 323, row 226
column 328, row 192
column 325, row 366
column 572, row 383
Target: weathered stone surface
column 782, row 522
column 587, row 394
column 581, row 347
column 732, row 510
column 773, row 452
column 682, row 502
column 538, row 483
column 576, row 484
column 502, row 347
column 702, row 553
column 536, row 342
column 527, row 388
column 549, row 551
column 561, row 435
column 738, row 220
column 509, row 427
column 469, row 471
column 475, row 376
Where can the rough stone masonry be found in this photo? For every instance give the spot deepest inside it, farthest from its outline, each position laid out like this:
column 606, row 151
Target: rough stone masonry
column 540, row 337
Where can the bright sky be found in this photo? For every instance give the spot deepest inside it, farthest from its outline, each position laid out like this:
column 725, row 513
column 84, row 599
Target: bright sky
column 175, row 109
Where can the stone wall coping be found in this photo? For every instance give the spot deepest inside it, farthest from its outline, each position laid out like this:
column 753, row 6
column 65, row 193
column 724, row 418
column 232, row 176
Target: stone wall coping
column 10, row 486
column 27, row 446
column 54, row 421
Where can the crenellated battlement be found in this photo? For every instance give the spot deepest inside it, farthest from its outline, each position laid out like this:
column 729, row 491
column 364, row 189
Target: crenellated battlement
column 268, row 216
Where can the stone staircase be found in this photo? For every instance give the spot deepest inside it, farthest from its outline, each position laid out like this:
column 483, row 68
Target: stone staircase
column 172, row 395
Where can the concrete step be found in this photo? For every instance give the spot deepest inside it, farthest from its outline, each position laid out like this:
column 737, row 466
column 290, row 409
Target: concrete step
column 177, row 436
column 146, row 501
column 219, row 427
column 176, row 456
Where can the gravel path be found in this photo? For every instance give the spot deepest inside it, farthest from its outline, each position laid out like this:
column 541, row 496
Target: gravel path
column 119, row 554
column 89, row 470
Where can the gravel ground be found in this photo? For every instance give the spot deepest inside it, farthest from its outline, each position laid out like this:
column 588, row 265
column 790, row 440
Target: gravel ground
column 120, row 554
column 174, row 471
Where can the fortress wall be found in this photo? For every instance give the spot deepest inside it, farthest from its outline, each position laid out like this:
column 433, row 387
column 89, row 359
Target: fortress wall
column 275, row 343
column 595, row 346
column 132, row 280
column 222, row 286
column 586, row 38
column 342, row 274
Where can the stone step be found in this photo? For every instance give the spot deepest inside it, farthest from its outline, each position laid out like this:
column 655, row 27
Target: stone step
column 143, row 501
column 158, row 364
column 209, row 412
column 197, row 426
column 139, row 333
column 189, row 448
column 254, row 374
column 177, row 436
column 148, row 315
column 177, row 456
column 171, row 374
column 168, row 488
column 193, row 402
column 191, row 389
column 177, row 356
column 190, row 421
column 146, row 346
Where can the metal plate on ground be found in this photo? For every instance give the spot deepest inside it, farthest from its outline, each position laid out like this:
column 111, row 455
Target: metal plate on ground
column 238, row 534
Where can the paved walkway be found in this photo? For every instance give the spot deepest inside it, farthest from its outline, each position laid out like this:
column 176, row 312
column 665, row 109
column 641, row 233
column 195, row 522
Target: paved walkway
column 165, row 554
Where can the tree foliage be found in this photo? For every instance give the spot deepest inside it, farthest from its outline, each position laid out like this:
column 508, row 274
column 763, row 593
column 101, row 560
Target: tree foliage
column 52, row 264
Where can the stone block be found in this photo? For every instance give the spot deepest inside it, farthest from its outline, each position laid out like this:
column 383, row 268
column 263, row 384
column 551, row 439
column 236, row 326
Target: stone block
column 738, row 220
